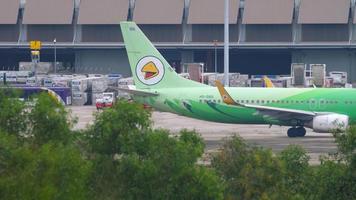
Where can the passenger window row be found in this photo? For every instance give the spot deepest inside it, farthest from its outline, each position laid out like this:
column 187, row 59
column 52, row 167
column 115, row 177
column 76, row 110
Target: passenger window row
column 209, row 100
column 280, row 101
column 288, row 101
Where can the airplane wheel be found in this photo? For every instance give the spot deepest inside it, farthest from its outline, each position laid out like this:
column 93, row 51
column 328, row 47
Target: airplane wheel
column 296, row 132
column 301, row 132
column 292, row 132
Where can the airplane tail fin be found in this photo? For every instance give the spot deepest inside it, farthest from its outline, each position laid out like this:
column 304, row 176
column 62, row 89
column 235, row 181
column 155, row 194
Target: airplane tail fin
column 149, row 68
column 267, row 82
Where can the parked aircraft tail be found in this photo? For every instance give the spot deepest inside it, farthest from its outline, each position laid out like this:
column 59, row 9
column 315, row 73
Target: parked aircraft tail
column 267, row 82
column 149, row 68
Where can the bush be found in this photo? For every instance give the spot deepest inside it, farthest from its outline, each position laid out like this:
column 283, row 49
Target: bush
column 48, row 172
column 167, row 169
column 331, row 182
column 126, row 159
column 335, row 178
column 163, row 167
column 111, row 128
column 132, row 161
column 13, row 115
column 297, row 176
column 346, row 143
column 249, row 172
column 50, row 122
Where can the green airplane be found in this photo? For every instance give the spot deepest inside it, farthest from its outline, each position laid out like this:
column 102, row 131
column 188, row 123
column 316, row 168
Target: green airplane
column 158, row 85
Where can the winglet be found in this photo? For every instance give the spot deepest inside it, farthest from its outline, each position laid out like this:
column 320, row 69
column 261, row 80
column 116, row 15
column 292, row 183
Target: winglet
column 224, row 94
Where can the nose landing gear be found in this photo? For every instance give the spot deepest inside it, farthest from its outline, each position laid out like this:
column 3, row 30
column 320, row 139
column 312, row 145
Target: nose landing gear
column 296, row 132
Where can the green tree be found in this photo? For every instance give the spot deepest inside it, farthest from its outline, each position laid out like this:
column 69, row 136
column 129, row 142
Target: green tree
column 12, row 112
column 167, row 169
column 331, row 182
column 132, row 161
column 103, row 183
column 162, row 167
column 297, row 176
column 49, row 121
column 48, row 172
column 38, row 159
column 346, row 143
column 112, row 127
column 249, row 172
column 335, row 178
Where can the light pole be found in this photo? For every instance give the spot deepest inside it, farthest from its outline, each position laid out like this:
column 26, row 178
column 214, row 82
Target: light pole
column 216, row 59
column 226, row 44
column 55, row 55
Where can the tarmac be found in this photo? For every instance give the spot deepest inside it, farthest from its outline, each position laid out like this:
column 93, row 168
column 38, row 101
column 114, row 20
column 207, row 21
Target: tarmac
column 214, row 134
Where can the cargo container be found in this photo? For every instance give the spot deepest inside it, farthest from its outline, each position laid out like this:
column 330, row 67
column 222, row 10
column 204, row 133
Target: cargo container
column 79, row 98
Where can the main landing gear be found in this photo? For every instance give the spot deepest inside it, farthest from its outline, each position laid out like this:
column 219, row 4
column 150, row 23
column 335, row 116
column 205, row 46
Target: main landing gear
column 296, row 132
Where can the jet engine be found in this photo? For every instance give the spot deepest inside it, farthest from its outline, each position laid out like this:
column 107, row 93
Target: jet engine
column 329, row 122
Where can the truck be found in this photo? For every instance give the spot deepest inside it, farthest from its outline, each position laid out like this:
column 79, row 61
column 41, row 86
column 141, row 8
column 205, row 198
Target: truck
column 106, row 101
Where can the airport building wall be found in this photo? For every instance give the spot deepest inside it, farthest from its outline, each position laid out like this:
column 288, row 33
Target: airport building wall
column 335, row 60
column 102, row 61
column 266, row 35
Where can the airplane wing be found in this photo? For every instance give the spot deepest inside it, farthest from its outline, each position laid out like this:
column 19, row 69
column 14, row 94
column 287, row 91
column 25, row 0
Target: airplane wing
column 283, row 114
column 137, row 92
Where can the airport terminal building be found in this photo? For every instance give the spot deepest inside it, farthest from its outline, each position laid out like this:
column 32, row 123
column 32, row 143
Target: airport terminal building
column 266, row 36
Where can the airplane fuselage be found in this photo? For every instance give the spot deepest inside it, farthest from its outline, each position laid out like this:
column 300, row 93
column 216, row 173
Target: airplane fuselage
column 206, row 103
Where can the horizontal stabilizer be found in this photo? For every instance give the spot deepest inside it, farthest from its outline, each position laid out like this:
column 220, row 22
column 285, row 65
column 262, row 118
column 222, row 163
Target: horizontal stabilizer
column 138, row 92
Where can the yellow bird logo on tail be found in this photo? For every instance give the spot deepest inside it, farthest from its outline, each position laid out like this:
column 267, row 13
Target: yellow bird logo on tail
column 150, row 70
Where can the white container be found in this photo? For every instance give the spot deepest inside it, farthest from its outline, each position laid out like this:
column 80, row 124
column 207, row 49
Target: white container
column 47, row 82
column 124, row 82
column 298, row 74
column 339, row 78
column 99, row 85
column 11, row 77
column 31, row 81
column 79, row 85
column 61, row 82
column 318, row 72
column 79, row 98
